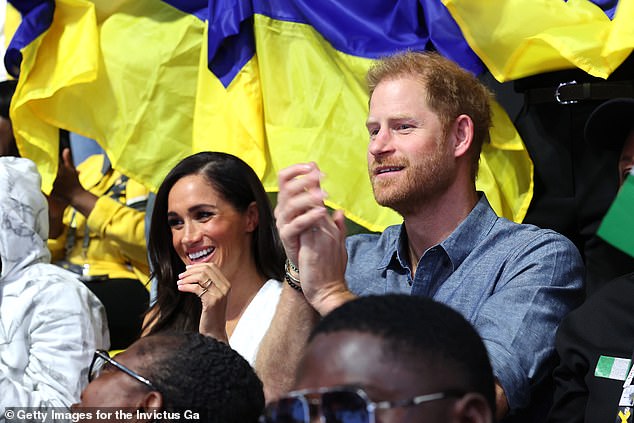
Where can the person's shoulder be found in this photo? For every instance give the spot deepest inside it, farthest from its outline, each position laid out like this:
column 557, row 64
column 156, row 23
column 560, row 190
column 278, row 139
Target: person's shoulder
column 584, row 329
column 614, row 296
column 528, row 233
column 54, row 284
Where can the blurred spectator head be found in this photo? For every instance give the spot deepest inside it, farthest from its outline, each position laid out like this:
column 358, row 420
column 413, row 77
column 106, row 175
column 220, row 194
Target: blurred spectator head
column 392, row 358
column 611, row 126
column 175, row 374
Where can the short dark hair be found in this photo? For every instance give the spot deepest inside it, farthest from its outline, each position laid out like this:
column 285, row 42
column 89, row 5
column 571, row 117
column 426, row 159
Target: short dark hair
column 7, row 89
column 419, row 327
column 238, row 184
column 199, row 373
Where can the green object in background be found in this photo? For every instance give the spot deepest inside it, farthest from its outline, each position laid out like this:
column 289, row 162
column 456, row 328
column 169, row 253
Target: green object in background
column 617, row 227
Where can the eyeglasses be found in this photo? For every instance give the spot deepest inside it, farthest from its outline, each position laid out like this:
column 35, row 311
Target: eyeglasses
column 102, row 357
column 339, row 405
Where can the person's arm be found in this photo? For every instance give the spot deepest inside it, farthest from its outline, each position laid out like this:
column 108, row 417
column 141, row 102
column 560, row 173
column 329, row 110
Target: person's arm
column 67, row 189
column 571, row 392
column 62, row 328
column 313, row 240
column 283, row 344
column 300, row 208
column 602, row 325
column 122, row 225
column 56, row 209
column 57, row 230
column 541, row 283
column 105, row 216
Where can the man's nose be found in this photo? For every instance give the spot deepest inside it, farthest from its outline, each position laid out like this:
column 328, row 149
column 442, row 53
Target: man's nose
column 380, row 143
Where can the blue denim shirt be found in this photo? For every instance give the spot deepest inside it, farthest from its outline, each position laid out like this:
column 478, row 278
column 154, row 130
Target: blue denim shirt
column 513, row 282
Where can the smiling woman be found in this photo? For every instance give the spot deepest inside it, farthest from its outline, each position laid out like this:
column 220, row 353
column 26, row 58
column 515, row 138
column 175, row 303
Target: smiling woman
column 215, row 252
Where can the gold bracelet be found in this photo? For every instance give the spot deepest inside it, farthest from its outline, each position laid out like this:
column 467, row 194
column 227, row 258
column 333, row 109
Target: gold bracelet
column 290, row 265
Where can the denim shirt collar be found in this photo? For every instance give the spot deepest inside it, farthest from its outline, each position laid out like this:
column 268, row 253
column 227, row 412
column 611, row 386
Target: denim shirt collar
column 457, row 245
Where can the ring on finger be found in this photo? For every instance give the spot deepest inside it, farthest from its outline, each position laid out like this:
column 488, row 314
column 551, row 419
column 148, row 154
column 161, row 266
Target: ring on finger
column 206, row 283
column 203, row 292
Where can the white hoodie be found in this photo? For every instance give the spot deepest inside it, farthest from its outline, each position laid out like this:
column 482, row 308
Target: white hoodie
column 50, row 323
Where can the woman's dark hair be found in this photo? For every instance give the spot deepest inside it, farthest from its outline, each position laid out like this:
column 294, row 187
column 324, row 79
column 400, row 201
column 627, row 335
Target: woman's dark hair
column 238, row 184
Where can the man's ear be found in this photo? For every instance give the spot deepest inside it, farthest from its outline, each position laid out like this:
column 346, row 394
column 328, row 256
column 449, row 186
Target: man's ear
column 472, row 408
column 462, row 135
column 253, row 217
column 150, row 403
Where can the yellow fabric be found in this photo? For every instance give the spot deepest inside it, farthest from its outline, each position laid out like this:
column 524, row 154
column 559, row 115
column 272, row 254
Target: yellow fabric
column 102, row 72
column 230, row 120
column 141, row 88
column 518, row 38
column 315, row 106
column 117, row 239
column 506, row 170
column 11, row 22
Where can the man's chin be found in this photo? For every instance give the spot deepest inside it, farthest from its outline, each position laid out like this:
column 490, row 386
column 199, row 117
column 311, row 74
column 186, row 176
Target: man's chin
column 388, row 201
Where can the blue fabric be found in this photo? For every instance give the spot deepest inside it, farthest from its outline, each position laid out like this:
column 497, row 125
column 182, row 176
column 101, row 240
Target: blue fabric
column 231, row 41
column 37, row 16
column 513, row 282
column 364, row 28
column 197, row 8
column 83, row 147
column 608, row 6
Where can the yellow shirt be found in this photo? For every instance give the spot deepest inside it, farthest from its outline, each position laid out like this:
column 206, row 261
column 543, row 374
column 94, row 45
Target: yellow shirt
column 116, row 243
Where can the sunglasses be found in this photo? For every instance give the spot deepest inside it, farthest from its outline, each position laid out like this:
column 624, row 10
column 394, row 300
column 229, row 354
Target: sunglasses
column 101, row 358
column 339, row 405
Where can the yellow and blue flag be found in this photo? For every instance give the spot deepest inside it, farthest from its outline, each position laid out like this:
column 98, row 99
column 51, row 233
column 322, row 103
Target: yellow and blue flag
column 121, row 73
column 273, row 82
column 312, row 59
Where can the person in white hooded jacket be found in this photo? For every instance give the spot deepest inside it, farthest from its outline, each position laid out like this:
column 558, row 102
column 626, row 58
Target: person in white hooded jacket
column 50, row 323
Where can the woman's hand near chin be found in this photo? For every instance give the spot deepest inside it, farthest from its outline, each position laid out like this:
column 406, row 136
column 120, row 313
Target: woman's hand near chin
column 207, row 282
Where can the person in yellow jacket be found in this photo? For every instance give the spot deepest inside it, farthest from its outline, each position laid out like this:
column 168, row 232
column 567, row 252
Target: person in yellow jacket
column 97, row 230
